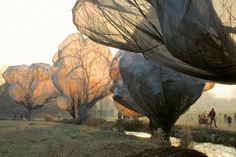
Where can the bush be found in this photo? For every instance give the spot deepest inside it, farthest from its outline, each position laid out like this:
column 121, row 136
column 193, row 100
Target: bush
column 131, row 125
column 92, row 122
column 3, row 118
column 49, row 118
column 186, row 138
column 100, row 123
column 69, row 121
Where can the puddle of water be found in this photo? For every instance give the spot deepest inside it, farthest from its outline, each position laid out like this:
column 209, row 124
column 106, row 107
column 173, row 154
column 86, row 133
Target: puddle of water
column 215, row 150
column 138, row 134
column 210, row 149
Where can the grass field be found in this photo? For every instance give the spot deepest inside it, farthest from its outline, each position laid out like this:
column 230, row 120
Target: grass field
column 47, row 139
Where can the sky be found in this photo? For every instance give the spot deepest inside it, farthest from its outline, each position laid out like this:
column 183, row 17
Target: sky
column 31, row 30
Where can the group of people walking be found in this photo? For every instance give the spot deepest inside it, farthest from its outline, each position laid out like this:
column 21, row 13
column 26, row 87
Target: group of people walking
column 203, row 119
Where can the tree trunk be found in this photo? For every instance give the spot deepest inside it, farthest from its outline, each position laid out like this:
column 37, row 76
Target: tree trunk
column 72, row 113
column 75, row 101
column 29, row 114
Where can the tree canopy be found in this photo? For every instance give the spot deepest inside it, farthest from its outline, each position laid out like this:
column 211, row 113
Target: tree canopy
column 81, row 73
column 30, row 86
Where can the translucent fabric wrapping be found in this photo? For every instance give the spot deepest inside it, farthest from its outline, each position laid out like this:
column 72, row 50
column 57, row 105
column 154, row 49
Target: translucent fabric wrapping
column 126, row 111
column 30, row 86
column 208, row 86
column 164, row 95
column 193, row 37
column 121, row 96
column 64, row 103
column 81, row 71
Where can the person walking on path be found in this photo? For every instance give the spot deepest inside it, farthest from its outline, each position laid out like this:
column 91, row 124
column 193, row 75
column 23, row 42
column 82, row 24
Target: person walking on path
column 229, row 119
column 212, row 115
column 225, row 117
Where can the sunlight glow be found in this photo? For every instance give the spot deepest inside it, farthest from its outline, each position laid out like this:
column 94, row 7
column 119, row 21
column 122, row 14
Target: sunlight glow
column 138, row 134
column 224, row 91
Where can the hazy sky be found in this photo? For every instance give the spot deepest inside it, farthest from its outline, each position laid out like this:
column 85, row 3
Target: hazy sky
column 31, row 30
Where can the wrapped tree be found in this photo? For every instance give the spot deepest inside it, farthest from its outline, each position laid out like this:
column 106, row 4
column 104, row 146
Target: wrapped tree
column 2, row 82
column 122, row 99
column 160, row 93
column 30, row 86
column 208, row 86
column 64, row 103
column 193, row 37
column 81, row 73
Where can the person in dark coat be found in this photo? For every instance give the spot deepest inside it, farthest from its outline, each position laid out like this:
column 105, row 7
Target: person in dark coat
column 229, row 120
column 212, row 115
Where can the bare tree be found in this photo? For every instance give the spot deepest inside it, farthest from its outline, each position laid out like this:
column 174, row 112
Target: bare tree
column 81, row 73
column 227, row 14
column 30, row 86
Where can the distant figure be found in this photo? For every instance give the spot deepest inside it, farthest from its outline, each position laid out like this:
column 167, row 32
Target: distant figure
column 225, row 118
column 202, row 119
column 212, row 115
column 229, row 119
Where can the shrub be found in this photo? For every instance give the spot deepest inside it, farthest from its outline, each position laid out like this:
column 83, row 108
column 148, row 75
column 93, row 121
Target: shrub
column 186, row 138
column 69, row 121
column 49, row 118
column 131, row 125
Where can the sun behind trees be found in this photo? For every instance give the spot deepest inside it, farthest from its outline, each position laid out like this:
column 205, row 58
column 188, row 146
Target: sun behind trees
column 30, row 86
column 81, row 74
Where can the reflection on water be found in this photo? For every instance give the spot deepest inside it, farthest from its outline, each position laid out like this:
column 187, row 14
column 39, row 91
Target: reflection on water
column 211, row 150
column 138, row 134
column 215, row 150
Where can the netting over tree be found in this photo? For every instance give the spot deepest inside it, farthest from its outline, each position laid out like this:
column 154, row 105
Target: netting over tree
column 2, row 81
column 30, row 86
column 81, row 74
column 64, row 103
column 193, row 37
column 162, row 96
column 208, row 86
column 121, row 96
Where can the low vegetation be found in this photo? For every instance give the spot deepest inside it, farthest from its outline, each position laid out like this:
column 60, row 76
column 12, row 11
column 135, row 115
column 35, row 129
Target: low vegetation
column 49, row 139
